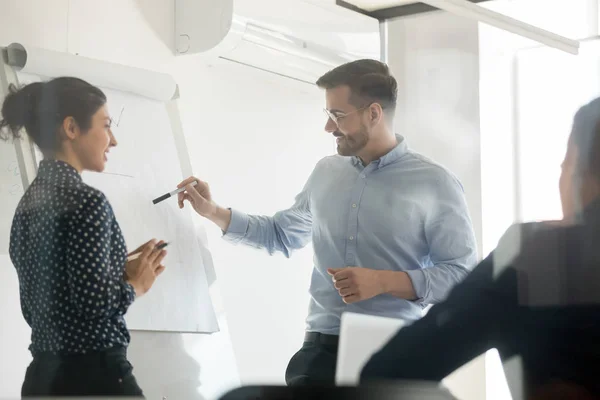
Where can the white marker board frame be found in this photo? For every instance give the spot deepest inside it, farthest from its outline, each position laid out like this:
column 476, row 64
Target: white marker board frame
column 63, row 64
column 23, row 156
column 24, row 148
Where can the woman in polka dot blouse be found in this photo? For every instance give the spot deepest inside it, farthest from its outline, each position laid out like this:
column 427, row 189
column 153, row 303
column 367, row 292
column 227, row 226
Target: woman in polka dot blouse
column 74, row 278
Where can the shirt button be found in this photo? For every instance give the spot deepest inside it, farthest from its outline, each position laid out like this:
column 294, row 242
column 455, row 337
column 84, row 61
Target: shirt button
column 353, row 205
column 351, row 238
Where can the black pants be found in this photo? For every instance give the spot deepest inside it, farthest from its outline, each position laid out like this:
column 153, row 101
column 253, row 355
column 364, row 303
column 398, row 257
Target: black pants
column 102, row 373
column 315, row 362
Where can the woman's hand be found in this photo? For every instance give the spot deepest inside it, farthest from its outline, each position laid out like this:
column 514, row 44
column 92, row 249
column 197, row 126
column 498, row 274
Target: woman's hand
column 143, row 271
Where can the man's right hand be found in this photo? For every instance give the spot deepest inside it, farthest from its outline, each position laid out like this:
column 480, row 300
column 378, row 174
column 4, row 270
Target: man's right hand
column 201, row 200
column 198, row 196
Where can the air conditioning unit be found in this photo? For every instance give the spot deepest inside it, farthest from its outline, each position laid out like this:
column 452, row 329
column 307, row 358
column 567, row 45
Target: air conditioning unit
column 237, row 39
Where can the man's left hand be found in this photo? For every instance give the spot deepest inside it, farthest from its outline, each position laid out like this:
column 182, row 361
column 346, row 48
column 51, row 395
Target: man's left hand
column 356, row 283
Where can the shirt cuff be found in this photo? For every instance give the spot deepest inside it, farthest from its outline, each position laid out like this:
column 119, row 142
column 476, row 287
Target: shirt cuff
column 238, row 226
column 419, row 282
column 129, row 292
column 128, row 297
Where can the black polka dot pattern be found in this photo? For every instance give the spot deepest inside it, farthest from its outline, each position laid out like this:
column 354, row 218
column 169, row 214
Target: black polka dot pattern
column 70, row 257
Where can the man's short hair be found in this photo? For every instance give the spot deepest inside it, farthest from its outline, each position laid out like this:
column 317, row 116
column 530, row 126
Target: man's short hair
column 370, row 81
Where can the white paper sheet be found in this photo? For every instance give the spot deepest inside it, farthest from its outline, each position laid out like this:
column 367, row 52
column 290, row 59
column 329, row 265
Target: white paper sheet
column 179, row 300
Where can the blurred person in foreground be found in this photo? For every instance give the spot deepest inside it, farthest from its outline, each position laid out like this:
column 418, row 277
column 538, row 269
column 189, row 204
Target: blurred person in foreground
column 537, row 295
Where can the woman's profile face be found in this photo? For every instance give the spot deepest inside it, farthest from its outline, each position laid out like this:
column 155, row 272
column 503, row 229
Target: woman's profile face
column 92, row 147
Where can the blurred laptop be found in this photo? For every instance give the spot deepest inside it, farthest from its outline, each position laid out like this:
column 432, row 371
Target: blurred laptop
column 360, row 337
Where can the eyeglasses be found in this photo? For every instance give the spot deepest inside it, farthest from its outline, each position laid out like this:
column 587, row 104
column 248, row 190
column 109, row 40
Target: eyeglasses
column 338, row 116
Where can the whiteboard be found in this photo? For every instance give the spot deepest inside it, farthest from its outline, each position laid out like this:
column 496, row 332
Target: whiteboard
column 143, row 166
column 11, row 190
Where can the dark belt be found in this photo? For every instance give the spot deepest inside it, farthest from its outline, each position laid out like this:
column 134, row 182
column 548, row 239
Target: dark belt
column 321, row 338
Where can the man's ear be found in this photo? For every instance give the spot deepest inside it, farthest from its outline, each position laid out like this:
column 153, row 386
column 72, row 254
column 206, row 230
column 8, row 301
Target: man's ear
column 375, row 113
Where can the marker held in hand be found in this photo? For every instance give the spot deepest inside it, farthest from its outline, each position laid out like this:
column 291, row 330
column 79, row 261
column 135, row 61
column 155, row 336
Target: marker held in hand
column 171, row 194
column 157, row 248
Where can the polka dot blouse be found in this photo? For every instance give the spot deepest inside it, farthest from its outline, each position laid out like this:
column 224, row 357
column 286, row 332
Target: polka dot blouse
column 70, row 256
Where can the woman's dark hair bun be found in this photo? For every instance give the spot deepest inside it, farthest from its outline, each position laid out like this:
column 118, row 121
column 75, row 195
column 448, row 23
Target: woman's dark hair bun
column 19, row 109
column 41, row 107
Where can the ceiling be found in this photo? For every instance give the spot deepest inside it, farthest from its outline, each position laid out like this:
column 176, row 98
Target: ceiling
column 388, row 9
column 319, row 21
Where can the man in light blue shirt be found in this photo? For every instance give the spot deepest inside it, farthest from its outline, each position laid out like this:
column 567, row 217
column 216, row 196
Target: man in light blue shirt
column 390, row 228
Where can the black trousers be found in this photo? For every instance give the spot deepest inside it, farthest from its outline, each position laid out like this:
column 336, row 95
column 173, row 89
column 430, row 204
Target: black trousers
column 101, row 373
column 315, row 362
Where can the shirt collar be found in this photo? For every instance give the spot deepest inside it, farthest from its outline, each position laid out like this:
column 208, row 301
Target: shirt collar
column 393, row 155
column 58, row 170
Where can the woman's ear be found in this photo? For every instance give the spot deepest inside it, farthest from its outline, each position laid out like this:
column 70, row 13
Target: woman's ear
column 70, row 129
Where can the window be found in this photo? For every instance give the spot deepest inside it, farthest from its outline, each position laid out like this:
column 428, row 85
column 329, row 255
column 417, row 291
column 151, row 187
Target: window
column 550, row 87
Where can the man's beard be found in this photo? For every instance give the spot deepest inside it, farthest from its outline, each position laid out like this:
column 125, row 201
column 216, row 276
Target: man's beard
column 351, row 145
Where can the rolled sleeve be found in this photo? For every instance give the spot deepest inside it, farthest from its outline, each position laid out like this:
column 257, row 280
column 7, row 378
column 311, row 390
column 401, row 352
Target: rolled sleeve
column 452, row 245
column 128, row 297
column 237, row 228
column 419, row 282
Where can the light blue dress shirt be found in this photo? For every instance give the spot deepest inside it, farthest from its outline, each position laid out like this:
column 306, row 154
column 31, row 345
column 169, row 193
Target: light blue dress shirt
column 402, row 212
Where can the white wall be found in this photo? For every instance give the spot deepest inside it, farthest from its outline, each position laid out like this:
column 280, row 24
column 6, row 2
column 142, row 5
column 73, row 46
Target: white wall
column 435, row 58
column 253, row 137
column 14, row 333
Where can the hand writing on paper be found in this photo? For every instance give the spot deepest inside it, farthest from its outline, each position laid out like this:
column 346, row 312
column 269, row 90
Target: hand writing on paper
column 356, row 283
column 143, row 271
column 14, row 168
column 198, row 196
